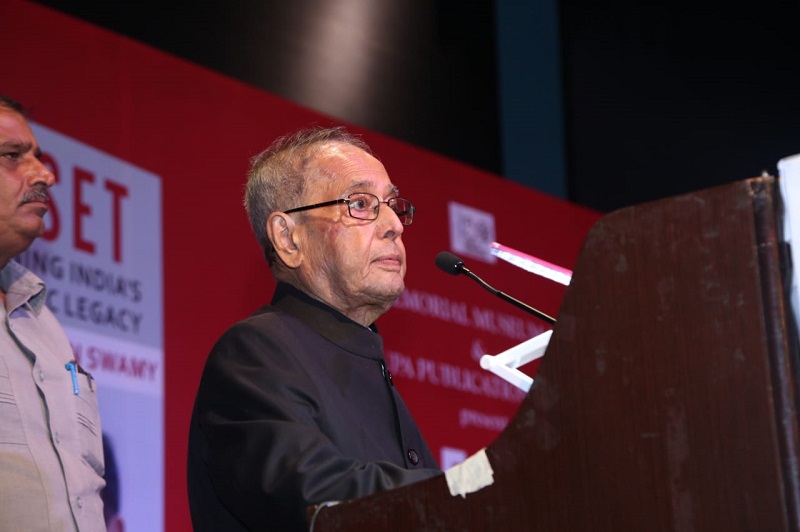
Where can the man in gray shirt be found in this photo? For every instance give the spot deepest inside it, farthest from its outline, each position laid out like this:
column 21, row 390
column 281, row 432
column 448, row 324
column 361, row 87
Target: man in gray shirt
column 51, row 449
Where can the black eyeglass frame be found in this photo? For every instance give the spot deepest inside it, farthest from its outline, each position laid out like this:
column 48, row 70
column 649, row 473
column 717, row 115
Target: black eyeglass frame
column 404, row 215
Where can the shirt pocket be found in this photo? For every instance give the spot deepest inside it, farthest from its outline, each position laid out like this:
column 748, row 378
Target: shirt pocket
column 10, row 420
column 88, row 426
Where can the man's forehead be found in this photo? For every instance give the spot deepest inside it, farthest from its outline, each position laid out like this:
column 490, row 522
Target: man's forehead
column 7, row 113
column 344, row 185
column 347, row 169
column 14, row 129
column 340, row 159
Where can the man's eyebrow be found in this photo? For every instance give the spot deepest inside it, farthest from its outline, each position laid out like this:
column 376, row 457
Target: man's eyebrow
column 355, row 186
column 22, row 147
column 17, row 146
column 358, row 186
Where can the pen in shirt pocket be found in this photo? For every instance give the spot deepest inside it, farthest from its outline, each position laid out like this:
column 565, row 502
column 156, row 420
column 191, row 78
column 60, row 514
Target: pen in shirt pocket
column 74, row 368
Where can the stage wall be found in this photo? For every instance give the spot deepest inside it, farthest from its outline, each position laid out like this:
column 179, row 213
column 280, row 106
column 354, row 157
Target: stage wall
column 177, row 139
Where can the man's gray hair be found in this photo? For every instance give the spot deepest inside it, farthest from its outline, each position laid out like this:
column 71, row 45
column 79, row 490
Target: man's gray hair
column 279, row 175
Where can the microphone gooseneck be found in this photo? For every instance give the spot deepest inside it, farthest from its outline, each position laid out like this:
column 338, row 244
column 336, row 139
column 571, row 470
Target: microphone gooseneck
column 453, row 265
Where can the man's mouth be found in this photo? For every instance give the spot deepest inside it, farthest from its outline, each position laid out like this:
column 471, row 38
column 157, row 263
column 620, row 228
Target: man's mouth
column 36, row 196
column 389, row 260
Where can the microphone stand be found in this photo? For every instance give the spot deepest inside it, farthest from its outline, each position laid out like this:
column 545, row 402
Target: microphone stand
column 505, row 364
column 502, row 295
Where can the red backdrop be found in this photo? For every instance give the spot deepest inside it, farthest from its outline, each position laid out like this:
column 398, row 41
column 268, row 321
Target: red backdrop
column 197, row 130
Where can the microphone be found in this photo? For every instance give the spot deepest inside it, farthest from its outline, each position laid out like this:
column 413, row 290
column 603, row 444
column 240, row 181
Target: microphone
column 449, row 263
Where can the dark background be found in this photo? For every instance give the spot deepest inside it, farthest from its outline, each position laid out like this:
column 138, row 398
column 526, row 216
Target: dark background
column 654, row 100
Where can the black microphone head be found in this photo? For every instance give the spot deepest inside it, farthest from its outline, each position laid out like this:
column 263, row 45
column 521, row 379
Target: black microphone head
column 449, row 263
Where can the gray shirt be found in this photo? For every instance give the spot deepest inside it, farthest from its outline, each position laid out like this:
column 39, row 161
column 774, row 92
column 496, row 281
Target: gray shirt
column 51, row 450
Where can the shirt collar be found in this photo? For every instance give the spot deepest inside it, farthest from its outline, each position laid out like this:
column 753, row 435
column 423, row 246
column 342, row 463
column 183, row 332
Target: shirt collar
column 22, row 286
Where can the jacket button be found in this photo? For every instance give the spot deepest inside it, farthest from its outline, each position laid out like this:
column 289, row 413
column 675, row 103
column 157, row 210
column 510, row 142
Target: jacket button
column 413, row 457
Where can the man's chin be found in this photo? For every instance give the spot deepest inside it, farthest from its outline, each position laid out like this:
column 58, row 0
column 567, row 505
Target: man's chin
column 388, row 294
column 396, row 286
column 30, row 223
column 36, row 232
column 31, row 226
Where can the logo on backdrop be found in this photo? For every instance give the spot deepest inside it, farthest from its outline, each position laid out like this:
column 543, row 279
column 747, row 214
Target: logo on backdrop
column 471, row 232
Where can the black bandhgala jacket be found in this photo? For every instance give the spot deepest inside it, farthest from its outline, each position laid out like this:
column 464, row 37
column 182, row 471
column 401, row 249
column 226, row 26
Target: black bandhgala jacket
column 296, row 407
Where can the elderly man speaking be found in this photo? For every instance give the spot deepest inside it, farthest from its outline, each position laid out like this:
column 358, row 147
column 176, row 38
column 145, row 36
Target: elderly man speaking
column 295, row 405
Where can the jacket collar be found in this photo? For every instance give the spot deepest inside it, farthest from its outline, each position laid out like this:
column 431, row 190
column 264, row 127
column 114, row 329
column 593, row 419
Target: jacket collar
column 328, row 322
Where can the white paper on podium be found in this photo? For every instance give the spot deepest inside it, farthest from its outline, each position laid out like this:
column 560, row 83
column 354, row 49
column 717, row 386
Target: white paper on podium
column 789, row 181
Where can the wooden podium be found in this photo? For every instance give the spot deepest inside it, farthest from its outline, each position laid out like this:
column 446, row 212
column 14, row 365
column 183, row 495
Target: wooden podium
column 667, row 397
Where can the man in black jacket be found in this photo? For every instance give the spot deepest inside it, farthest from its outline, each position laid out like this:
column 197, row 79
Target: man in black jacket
column 296, row 406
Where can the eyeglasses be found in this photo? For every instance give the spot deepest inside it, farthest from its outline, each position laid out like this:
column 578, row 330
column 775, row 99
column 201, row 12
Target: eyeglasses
column 365, row 206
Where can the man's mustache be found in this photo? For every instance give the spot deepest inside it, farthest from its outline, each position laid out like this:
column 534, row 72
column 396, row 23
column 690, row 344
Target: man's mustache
column 36, row 194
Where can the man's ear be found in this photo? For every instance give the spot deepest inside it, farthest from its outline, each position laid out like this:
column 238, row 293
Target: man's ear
column 281, row 231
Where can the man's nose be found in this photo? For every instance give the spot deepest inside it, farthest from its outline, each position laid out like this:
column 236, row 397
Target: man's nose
column 39, row 174
column 392, row 226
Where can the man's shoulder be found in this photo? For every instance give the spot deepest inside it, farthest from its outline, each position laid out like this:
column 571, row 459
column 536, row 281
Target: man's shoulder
column 269, row 322
column 265, row 317
column 266, row 335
